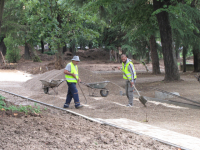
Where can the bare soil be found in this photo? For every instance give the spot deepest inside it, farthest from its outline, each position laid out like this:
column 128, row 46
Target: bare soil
column 178, row 119
column 53, row 129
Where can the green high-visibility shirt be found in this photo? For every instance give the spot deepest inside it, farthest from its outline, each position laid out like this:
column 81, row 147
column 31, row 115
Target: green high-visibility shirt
column 73, row 70
column 127, row 72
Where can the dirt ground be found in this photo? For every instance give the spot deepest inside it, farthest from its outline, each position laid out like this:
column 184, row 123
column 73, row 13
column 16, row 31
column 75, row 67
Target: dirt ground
column 54, row 129
column 178, row 119
column 68, row 132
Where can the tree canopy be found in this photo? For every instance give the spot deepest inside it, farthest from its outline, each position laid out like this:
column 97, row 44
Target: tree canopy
column 133, row 25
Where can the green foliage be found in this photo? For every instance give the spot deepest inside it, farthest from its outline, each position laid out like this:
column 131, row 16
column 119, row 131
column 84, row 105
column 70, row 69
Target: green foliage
column 58, row 22
column 2, row 103
column 13, row 52
column 37, row 108
column 25, row 109
column 36, row 59
column 110, row 23
column 52, row 52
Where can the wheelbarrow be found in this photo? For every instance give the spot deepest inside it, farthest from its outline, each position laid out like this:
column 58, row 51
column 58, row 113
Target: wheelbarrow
column 51, row 84
column 98, row 85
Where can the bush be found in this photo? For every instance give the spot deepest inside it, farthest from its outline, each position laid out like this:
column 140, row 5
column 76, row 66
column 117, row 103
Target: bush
column 12, row 52
column 36, row 59
column 52, row 52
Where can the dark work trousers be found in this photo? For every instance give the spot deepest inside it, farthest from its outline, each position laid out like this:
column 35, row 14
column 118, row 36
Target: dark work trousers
column 72, row 93
column 129, row 92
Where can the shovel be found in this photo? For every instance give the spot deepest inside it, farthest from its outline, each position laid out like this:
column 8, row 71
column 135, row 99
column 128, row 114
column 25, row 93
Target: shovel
column 141, row 98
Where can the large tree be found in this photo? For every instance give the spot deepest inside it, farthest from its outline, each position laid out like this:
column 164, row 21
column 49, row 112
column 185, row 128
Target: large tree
column 1, row 12
column 138, row 11
column 171, row 68
column 62, row 20
column 154, row 55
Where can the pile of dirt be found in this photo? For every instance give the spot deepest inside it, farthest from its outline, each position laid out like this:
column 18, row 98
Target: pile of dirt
column 35, row 67
column 45, row 57
column 42, row 68
column 92, row 54
column 85, row 75
column 58, row 130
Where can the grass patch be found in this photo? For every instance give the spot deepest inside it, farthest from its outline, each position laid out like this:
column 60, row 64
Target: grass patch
column 25, row 109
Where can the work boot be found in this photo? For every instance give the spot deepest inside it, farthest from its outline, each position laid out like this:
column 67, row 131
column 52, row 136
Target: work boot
column 66, row 106
column 79, row 106
column 129, row 105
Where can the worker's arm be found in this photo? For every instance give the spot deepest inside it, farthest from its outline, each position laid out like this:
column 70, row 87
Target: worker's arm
column 69, row 73
column 130, row 69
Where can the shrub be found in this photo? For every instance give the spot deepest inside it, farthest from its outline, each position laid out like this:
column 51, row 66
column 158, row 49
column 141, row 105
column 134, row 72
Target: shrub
column 52, row 52
column 12, row 52
column 36, row 59
column 25, row 109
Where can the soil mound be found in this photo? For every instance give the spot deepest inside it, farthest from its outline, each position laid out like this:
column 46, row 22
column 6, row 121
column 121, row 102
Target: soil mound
column 92, row 54
column 85, row 75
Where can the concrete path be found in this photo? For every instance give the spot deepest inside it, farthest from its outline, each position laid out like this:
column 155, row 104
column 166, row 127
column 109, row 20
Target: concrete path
column 181, row 140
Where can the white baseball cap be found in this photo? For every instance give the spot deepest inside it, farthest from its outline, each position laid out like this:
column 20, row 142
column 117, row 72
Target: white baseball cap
column 76, row 58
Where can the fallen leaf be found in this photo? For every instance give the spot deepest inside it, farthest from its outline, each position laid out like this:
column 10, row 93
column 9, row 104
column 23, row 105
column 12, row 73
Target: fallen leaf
column 3, row 109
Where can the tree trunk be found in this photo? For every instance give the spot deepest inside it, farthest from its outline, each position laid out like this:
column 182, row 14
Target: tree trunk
column 64, row 48
column 26, row 52
column 184, row 58
column 1, row 12
column 177, row 53
column 196, row 59
column 147, row 57
column 116, row 56
column 70, row 49
column 90, row 45
column 110, row 55
column 33, row 53
column 3, row 46
column 154, row 56
column 42, row 45
column 81, row 47
column 130, row 56
column 171, row 68
column 73, row 49
column 59, row 60
column 59, row 56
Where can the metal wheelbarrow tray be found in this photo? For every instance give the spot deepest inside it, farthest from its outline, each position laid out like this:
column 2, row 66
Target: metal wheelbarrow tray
column 51, row 84
column 98, row 85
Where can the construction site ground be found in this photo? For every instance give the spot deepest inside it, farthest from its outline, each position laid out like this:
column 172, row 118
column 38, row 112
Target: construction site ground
column 179, row 119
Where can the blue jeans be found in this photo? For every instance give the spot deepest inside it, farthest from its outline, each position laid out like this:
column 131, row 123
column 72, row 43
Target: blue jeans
column 72, row 93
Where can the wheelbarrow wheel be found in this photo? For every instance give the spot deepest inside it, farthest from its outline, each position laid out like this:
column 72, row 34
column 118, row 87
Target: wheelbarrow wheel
column 104, row 93
column 46, row 90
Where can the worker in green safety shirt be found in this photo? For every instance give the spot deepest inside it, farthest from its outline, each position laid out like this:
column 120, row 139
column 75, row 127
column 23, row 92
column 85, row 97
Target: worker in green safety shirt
column 129, row 70
column 72, row 77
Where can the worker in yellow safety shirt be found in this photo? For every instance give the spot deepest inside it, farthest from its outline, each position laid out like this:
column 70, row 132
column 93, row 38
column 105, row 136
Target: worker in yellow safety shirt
column 72, row 77
column 128, row 70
